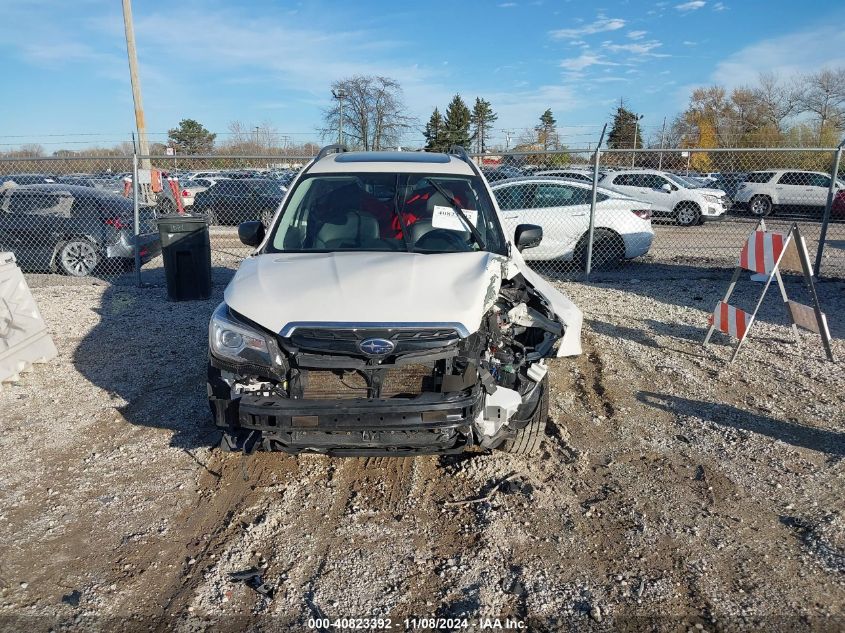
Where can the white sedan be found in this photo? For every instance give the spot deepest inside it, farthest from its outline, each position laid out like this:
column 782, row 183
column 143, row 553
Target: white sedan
column 562, row 208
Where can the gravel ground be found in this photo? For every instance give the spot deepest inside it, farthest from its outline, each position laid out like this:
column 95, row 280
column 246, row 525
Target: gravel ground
column 674, row 491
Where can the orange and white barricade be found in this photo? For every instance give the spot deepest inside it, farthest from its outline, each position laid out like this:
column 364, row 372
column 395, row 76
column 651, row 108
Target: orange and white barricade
column 176, row 191
column 765, row 253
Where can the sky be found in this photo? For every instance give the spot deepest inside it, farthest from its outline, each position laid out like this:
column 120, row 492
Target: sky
column 65, row 80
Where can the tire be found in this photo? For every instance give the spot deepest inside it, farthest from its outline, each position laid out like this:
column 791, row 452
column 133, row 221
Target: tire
column 165, row 206
column 211, row 216
column 760, row 206
column 608, row 250
column 78, row 257
column 687, row 214
column 527, row 440
column 266, row 218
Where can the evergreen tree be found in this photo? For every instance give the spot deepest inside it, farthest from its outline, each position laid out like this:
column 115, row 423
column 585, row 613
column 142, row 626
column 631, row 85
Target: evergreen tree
column 457, row 123
column 482, row 119
column 191, row 138
column 621, row 135
column 547, row 131
column 435, row 133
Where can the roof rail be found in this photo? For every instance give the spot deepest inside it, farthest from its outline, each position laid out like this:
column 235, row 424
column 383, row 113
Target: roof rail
column 460, row 152
column 329, row 149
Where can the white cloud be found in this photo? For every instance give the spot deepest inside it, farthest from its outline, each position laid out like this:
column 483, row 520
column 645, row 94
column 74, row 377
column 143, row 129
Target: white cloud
column 692, row 5
column 690, row 43
column 803, row 51
column 637, row 48
column 637, row 35
column 507, row 5
column 719, row 6
column 601, row 25
column 585, row 60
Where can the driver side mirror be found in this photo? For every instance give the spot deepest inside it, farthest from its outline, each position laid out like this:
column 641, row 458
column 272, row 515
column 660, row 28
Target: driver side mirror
column 666, row 187
column 251, row 233
column 527, row 236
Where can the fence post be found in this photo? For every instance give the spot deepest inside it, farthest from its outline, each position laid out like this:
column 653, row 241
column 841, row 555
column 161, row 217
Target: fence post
column 591, row 231
column 137, row 218
column 826, row 218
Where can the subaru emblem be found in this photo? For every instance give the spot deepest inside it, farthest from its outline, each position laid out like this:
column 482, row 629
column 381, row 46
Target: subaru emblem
column 376, row 346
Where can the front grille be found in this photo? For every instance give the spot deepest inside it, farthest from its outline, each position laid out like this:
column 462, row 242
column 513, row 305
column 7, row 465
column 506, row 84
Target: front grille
column 410, row 380
column 346, row 340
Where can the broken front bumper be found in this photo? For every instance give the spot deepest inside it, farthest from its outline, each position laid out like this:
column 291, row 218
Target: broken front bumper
column 428, row 423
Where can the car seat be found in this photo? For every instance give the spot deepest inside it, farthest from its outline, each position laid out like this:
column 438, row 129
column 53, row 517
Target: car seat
column 424, row 225
column 352, row 229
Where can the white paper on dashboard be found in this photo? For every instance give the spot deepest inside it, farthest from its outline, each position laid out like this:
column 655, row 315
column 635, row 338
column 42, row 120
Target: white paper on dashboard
column 447, row 218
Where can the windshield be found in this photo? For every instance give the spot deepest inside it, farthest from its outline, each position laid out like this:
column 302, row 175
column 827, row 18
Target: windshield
column 687, row 183
column 265, row 187
column 388, row 212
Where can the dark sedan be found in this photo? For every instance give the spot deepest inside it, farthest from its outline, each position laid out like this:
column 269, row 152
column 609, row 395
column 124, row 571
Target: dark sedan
column 231, row 202
column 72, row 229
column 27, row 179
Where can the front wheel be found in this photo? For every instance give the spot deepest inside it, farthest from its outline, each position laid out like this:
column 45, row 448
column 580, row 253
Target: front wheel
column 760, row 206
column 528, row 439
column 687, row 214
column 78, row 257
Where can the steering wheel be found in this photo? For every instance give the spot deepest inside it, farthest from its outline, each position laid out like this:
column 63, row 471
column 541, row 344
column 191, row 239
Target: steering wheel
column 443, row 240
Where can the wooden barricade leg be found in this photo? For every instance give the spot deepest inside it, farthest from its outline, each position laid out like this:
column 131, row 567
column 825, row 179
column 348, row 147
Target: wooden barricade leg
column 728, row 294
column 808, row 277
column 753, row 315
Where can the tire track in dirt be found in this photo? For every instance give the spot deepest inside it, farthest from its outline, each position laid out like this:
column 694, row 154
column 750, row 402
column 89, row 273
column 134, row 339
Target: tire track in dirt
column 202, row 531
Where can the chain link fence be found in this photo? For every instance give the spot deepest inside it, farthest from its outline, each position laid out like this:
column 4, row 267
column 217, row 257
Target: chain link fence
column 675, row 206
column 76, row 215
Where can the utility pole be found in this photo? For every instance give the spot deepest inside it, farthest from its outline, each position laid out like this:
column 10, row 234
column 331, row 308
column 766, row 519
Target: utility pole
column 508, row 134
column 636, row 129
column 140, row 123
column 339, row 94
column 662, row 136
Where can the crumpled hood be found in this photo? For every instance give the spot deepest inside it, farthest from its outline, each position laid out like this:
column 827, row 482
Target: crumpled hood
column 711, row 192
column 277, row 289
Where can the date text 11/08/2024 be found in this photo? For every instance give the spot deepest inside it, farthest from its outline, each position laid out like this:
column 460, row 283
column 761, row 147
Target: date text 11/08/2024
column 409, row 624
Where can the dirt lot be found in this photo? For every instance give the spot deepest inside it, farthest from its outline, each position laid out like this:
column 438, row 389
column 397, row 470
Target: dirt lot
column 675, row 492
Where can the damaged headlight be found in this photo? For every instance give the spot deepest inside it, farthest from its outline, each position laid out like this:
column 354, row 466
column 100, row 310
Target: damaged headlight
column 233, row 340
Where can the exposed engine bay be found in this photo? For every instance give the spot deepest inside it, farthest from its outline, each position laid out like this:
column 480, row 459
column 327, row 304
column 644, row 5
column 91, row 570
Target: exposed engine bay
column 396, row 389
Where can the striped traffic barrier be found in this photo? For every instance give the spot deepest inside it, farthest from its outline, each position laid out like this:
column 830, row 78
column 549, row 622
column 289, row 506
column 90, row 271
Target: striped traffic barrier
column 730, row 320
column 764, row 253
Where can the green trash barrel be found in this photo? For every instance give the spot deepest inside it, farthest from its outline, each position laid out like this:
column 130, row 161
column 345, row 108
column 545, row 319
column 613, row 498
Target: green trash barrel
column 186, row 248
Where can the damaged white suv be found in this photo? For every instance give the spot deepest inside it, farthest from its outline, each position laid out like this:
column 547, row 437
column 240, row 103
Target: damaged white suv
column 385, row 312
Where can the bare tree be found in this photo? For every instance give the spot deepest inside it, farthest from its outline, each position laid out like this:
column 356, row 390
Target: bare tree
column 373, row 112
column 778, row 101
column 823, row 95
column 252, row 139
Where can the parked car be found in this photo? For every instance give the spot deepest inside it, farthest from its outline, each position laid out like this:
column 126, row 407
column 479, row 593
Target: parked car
column 585, row 175
column 729, row 183
column 502, row 172
column 562, row 208
column 72, row 229
column 365, row 326
column 764, row 192
column 27, row 179
column 86, row 181
column 237, row 200
column 669, row 194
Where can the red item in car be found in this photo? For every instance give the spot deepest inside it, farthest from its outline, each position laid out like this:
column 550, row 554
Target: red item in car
column 838, row 209
column 116, row 223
